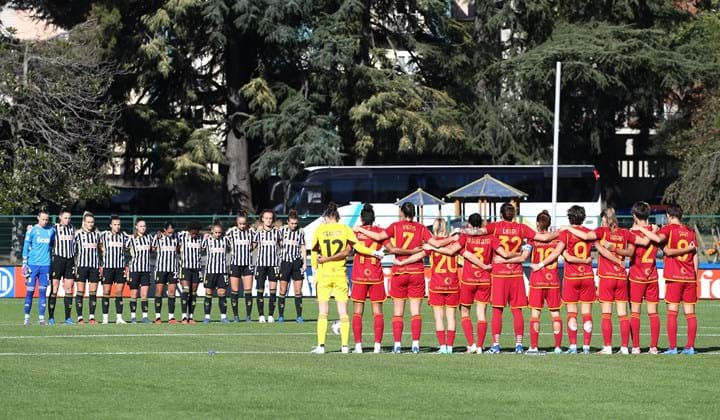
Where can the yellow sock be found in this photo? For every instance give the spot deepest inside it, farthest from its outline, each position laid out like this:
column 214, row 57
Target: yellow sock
column 321, row 328
column 344, row 330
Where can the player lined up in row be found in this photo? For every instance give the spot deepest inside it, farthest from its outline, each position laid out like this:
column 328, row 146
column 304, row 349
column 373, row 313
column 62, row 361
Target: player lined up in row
column 55, row 254
column 492, row 276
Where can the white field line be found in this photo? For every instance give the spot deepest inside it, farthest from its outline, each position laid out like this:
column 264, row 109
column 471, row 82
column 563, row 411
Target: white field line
column 211, row 353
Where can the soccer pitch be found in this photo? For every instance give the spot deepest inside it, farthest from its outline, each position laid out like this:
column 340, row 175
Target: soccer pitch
column 265, row 371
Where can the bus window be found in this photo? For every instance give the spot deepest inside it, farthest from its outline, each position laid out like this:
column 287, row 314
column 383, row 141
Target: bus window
column 344, row 190
column 389, row 187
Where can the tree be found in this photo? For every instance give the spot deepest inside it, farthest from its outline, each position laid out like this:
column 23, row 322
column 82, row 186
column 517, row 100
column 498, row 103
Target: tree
column 57, row 121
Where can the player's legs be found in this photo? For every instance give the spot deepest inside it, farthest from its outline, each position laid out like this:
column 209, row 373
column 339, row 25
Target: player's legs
column 184, row 297
column 621, row 308
column 500, row 298
column 222, row 301
column 144, row 289
column 438, row 314
column 159, row 290
column 298, row 295
column 171, row 290
column 193, row 299
column 133, row 299
column 52, row 299
column 572, row 325
column 342, row 308
column 282, row 294
column 260, row 278
column 247, row 281
column 80, row 292
column 378, row 322
column 534, row 328
column 30, row 283
column 399, row 293
column 557, row 325
column 107, row 289
column 119, row 286
column 466, row 323
column 93, row 280
column 587, row 318
column 235, row 282
column 689, row 309
column 357, row 327
column 415, row 323
column 517, row 299
column 207, row 303
column 323, row 309
column 273, row 282
column 606, row 325
column 68, row 286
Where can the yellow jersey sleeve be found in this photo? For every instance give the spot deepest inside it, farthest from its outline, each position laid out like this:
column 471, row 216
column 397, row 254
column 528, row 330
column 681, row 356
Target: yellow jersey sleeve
column 356, row 244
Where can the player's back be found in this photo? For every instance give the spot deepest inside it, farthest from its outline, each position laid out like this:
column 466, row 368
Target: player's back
column 366, row 267
column 443, row 272
column 643, row 262
column 576, row 247
column 330, row 240
column 408, row 235
column 680, row 267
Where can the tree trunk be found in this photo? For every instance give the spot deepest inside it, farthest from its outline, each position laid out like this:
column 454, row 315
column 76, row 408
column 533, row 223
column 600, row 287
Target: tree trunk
column 241, row 54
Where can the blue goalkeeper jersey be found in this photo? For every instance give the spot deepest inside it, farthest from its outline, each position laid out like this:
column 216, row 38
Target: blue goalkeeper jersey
column 38, row 245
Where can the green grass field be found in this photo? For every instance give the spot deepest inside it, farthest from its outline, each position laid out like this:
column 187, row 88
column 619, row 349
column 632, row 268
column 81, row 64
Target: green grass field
column 265, row 371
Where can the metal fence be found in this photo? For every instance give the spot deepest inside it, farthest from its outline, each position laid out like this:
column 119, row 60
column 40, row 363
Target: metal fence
column 13, row 227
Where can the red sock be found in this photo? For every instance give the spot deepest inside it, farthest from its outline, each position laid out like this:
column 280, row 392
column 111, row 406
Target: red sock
column 557, row 331
column 496, row 325
column 654, row 329
column 379, row 327
column 397, row 325
column 572, row 328
column 468, row 330
column 672, row 328
column 607, row 329
column 416, row 327
column 440, row 334
column 518, row 324
column 534, row 332
column 691, row 330
column 450, row 338
column 357, row 327
column 635, row 328
column 482, row 332
column 587, row 328
column 624, row 331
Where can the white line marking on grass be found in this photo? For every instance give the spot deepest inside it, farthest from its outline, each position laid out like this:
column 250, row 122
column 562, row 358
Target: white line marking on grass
column 19, row 337
column 148, row 353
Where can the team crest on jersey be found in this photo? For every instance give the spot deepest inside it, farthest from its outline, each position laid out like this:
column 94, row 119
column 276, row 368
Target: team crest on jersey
column 616, row 268
column 446, row 280
column 477, row 273
column 683, row 270
column 581, row 269
column 647, row 271
column 367, row 272
column 548, row 276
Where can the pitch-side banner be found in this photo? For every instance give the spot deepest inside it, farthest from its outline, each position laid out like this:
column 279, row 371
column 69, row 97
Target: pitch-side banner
column 12, row 283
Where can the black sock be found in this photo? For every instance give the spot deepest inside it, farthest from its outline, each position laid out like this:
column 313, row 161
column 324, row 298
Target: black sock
column 92, row 301
column 271, row 307
column 192, row 301
column 171, row 307
column 234, row 297
column 260, row 303
column 208, row 305
column 106, row 305
column 133, row 306
column 51, row 306
column 248, row 303
column 158, row 307
column 119, row 305
column 281, row 306
column 223, row 304
column 184, row 301
column 79, row 305
column 144, row 305
column 298, row 305
column 68, row 305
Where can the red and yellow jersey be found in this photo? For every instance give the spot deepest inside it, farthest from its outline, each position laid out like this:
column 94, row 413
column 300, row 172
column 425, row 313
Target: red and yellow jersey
column 548, row 276
column 580, row 249
column 511, row 236
column 443, row 273
column 366, row 268
column 482, row 247
column 408, row 235
column 682, row 267
column 620, row 239
column 643, row 268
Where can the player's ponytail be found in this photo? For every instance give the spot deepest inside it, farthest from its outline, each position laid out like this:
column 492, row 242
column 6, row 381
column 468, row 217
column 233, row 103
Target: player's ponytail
column 367, row 215
column 543, row 220
column 292, row 214
column 439, row 227
column 475, row 220
column 331, row 212
column 610, row 218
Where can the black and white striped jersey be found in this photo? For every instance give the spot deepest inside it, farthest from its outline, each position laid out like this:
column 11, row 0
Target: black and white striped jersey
column 114, row 246
column 86, row 249
column 216, row 250
column 166, row 248
column 241, row 242
column 140, row 252
column 190, row 251
column 268, row 248
column 64, row 245
column 292, row 242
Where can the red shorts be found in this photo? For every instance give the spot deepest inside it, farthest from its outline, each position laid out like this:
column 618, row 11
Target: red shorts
column 508, row 291
column 677, row 291
column 574, row 291
column 470, row 293
column 451, row 299
column 539, row 296
column 649, row 291
column 362, row 291
column 403, row 286
column 613, row 290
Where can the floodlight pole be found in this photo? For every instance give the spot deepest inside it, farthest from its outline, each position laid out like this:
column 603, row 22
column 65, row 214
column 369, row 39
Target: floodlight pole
column 556, row 141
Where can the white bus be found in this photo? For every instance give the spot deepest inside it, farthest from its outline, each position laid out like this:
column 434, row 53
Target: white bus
column 349, row 187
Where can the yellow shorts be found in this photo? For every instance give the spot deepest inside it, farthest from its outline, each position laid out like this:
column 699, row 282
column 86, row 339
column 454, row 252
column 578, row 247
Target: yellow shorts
column 332, row 286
